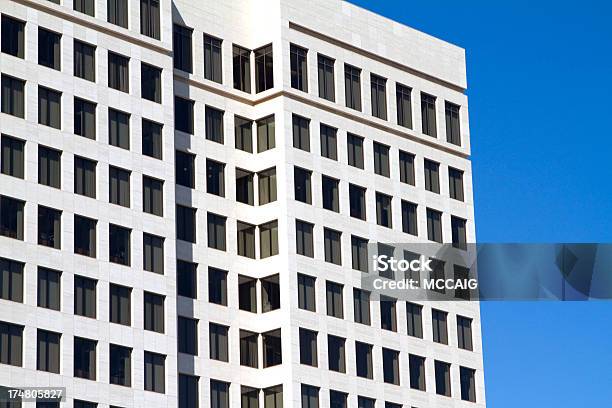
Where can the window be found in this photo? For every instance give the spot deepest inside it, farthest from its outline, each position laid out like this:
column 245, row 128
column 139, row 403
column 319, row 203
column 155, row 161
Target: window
column 118, row 128
column 84, row 61
column 153, row 253
column 264, row 69
column 414, row 315
column 12, row 156
column 154, row 372
column 117, row 12
column 151, row 139
column 84, row 118
column 243, row 130
column 417, row 372
column 357, row 201
column 120, row 367
column 302, row 185
column 217, row 286
column 118, row 72
column 85, row 358
column 468, row 388
column 219, row 394
column 186, row 223
column 185, row 169
column 428, row 114
column 455, row 181
column 329, row 146
column 48, row 351
column 392, row 405
column 242, row 68
column 12, row 96
column 363, row 360
column 442, row 370
column 352, row 87
column 310, row 396
column 212, row 58
column 186, row 279
column 85, row 7
column 267, row 186
column 453, row 132
column 246, row 240
column 49, row 288
column 11, row 344
column 11, row 285
column 299, row 67
column 56, row 404
column 355, row 150
column 272, row 351
column 49, row 167
column 381, row 159
column 183, row 115
column 361, row 306
column 181, row 46
column 188, row 391
column 244, row 187
column 404, row 105
column 49, row 49
column 432, row 176
column 153, row 196
column 187, row 335
column 335, row 354
column 84, row 236
column 388, row 316
column 337, row 399
column 306, row 292
column 308, row 347
column 214, row 124
column 464, row 333
column 301, row 133
column 438, row 321
column 11, row 217
column 326, row 77
column 268, row 239
column 265, row 134
column 378, row 88
column 388, row 251
column 334, row 299
column 153, row 312
column 150, row 82
column 434, row 225
column 85, row 296
column 363, row 402
column 330, row 193
column 249, row 397
column 119, row 186
column 304, row 238
column 149, row 18
column 119, row 244
column 215, row 178
column 383, row 210
column 409, row 218
column 406, row 162
column 216, row 231
column 247, row 293
column 49, row 227
column 332, row 244
column 461, row 273
column 120, row 304
column 49, row 107
column 437, row 273
column 458, row 233
column 84, row 404
column 218, row 335
column 391, row 366
column 359, row 253
column 13, row 37
column 248, row 348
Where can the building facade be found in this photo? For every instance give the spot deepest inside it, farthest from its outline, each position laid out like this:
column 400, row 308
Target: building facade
column 187, row 190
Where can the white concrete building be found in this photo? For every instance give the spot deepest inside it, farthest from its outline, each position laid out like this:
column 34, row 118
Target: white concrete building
column 186, row 189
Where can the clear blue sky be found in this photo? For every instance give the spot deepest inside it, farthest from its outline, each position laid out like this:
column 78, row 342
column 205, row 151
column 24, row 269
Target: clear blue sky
column 540, row 88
